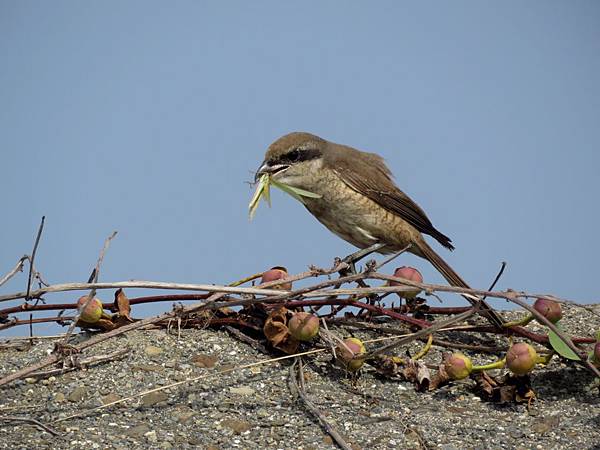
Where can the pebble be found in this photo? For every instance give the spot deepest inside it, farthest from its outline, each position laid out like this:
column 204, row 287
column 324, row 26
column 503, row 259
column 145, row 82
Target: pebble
column 153, row 398
column 138, row 430
column 242, row 390
column 109, row 398
column 259, row 412
column 77, row 394
column 151, row 436
column 238, row 426
column 153, row 351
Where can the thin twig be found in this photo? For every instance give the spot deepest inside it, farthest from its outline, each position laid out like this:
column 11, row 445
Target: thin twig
column 18, row 268
column 391, row 258
column 246, row 339
column 147, row 285
column 93, row 279
column 211, row 303
column 32, row 259
column 31, row 271
column 313, row 272
column 92, row 360
column 312, row 408
column 424, row 332
column 186, row 381
column 31, row 421
column 500, row 272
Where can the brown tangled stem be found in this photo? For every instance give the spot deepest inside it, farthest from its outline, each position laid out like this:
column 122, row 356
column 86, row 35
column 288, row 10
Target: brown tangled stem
column 329, row 292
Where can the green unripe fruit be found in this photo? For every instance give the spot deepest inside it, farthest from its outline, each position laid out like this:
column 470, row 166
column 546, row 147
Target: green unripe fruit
column 458, row 366
column 550, row 309
column 303, row 326
column 352, row 348
column 411, row 274
column 93, row 311
column 521, row 358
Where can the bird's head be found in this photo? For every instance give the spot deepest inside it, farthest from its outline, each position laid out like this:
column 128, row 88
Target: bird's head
column 292, row 158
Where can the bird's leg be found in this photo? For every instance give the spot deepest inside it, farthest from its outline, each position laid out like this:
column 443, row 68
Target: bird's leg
column 353, row 258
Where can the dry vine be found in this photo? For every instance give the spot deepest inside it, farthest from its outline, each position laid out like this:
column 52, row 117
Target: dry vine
column 263, row 317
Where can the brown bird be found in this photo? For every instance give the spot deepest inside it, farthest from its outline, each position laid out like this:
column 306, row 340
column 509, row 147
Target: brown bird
column 358, row 200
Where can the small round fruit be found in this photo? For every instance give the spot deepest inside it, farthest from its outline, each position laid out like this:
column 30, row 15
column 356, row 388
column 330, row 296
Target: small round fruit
column 349, row 354
column 303, row 326
column 550, row 309
column 277, row 273
column 458, row 366
column 93, row 311
column 521, row 358
column 411, row 274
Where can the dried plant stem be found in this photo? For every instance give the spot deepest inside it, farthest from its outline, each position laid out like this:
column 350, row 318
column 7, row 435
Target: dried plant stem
column 93, row 279
column 186, row 381
column 204, row 375
column 32, row 258
column 82, row 363
column 31, row 421
column 211, row 303
column 313, row 272
column 18, row 268
column 424, row 332
column 32, row 270
column 298, row 383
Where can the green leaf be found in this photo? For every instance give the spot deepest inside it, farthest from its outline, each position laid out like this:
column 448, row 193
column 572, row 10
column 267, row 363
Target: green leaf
column 295, row 192
column 258, row 193
column 263, row 191
column 561, row 348
column 267, row 192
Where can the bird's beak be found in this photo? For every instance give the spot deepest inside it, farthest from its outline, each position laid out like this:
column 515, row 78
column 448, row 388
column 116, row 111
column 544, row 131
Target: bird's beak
column 265, row 168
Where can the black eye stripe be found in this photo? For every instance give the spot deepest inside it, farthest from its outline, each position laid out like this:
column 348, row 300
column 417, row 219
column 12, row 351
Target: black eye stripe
column 298, row 155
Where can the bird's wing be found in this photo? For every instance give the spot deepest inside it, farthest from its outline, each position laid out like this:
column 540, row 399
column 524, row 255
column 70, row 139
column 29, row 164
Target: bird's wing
column 374, row 181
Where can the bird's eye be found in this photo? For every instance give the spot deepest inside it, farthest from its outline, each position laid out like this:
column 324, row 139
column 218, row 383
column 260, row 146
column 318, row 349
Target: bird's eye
column 294, row 155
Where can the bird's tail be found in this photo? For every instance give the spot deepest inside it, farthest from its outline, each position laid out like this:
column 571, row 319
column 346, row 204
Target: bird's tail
column 455, row 280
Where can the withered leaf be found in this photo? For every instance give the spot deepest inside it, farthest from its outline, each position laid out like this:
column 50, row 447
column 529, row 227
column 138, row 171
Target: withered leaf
column 440, row 378
column 105, row 324
column 506, row 394
column 423, row 376
column 385, row 365
column 418, row 373
column 486, row 383
column 122, row 305
column 510, row 389
column 275, row 328
column 276, row 331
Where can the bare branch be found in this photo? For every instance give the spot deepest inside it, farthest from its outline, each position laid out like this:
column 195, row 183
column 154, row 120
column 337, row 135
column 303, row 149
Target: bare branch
column 93, row 279
column 31, row 421
column 18, row 268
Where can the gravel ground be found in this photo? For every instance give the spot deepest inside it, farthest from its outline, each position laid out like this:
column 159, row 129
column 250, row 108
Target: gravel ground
column 254, row 408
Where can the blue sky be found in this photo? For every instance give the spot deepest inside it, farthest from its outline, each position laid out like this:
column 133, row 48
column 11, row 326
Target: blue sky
column 150, row 117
